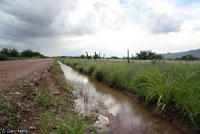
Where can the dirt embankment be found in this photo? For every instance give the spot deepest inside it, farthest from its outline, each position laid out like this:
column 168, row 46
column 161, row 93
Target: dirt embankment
column 10, row 71
column 18, row 83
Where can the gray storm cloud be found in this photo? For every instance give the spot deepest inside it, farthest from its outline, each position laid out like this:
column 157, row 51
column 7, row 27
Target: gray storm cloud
column 162, row 23
column 27, row 19
column 33, row 23
column 75, row 26
column 24, row 19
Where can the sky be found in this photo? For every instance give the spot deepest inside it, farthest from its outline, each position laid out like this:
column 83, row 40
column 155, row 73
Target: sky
column 73, row 27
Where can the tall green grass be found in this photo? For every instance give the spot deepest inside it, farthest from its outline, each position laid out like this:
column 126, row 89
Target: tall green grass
column 170, row 85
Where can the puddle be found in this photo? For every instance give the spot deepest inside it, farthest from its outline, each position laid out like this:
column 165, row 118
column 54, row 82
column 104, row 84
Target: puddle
column 118, row 113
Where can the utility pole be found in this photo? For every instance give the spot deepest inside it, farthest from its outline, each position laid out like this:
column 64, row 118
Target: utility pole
column 128, row 55
column 99, row 56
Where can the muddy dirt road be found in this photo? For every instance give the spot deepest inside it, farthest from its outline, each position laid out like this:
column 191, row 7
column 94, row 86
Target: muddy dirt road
column 10, row 71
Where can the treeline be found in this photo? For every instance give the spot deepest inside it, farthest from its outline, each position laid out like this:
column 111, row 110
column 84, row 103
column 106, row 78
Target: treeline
column 6, row 53
column 142, row 55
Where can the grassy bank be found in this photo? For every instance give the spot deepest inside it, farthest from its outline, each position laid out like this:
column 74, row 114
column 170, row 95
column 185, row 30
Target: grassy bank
column 42, row 103
column 172, row 86
column 65, row 119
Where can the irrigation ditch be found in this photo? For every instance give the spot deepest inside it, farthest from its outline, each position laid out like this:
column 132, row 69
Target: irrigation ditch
column 116, row 111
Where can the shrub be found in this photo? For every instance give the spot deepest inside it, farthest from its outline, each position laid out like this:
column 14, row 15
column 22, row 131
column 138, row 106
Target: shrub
column 189, row 57
column 3, row 57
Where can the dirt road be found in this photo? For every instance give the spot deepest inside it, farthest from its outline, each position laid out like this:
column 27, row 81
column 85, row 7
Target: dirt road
column 10, row 71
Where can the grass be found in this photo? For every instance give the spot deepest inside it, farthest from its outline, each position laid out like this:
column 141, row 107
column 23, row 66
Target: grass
column 2, row 104
column 12, row 116
column 22, row 58
column 47, row 99
column 170, row 85
column 66, row 124
column 18, row 58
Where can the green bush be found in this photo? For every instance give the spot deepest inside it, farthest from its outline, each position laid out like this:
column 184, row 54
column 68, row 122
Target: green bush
column 3, row 57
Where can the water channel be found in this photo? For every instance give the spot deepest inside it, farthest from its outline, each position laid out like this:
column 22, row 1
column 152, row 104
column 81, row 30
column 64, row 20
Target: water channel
column 118, row 112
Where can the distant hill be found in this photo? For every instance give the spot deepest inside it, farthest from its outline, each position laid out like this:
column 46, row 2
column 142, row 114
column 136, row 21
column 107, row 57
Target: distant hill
column 195, row 53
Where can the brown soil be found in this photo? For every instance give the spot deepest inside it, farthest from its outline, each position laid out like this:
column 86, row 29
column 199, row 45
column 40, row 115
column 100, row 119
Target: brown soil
column 10, row 71
column 19, row 110
column 22, row 80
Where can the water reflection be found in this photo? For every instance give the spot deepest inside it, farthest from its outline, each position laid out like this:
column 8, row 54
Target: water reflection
column 129, row 116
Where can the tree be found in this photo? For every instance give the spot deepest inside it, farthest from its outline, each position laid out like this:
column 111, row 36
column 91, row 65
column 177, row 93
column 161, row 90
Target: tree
column 14, row 52
column 37, row 54
column 82, row 56
column 188, row 57
column 145, row 55
column 96, row 56
column 10, row 52
column 30, row 53
column 27, row 53
column 5, row 51
column 114, row 57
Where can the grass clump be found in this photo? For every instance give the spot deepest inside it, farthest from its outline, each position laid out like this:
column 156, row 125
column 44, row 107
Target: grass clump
column 99, row 75
column 91, row 69
column 12, row 116
column 47, row 99
column 66, row 124
column 169, row 85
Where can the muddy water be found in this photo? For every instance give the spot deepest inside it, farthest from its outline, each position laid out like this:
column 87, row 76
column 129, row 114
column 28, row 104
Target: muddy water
column 120, row 113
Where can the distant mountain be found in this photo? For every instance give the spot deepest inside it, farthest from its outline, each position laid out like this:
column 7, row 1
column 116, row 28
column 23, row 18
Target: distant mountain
column 195, row 53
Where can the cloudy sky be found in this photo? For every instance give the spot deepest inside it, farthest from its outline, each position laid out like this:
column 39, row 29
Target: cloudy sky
column 72, row 27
